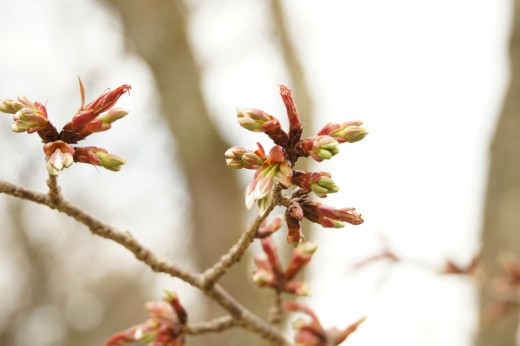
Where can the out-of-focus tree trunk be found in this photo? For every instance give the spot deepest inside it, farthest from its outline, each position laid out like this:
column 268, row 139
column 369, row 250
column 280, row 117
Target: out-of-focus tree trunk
column 157, row 29
column 501, row 231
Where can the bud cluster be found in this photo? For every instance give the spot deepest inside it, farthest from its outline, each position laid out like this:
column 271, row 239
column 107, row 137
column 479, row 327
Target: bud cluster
column 164, row 326
column 270, row 273
column 312, row 333
column 94, row 117
column 276, row 169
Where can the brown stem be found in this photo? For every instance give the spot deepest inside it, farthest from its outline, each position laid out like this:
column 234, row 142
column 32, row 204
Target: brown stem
column 275, row 313
column 240, row 314
column 211, row 275
column 217, row 325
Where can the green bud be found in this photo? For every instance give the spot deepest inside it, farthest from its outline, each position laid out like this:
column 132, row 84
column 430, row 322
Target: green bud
column 110, row 162
column 112, row 115
column 10, row 106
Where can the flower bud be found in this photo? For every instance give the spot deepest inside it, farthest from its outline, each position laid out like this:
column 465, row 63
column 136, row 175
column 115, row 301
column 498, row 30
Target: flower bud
column 330, row 223
column 318, row 147
column 262, row 262
column 109, row 161
column 324, row 186
column 28, row 120
column 256, row 120
column 10, row 106
column 99, row 157
column 262, row 277
column 59, row 155
column 299, row 258
column 239, row 157
column 113, row 115
column 350, row 131
column 266, row 229
column 299, row 288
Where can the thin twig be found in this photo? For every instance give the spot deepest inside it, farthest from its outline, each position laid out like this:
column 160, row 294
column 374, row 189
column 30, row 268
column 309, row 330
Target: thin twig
column 276, row 313
column 217, row 325
column 211, row 275
column 240, row 314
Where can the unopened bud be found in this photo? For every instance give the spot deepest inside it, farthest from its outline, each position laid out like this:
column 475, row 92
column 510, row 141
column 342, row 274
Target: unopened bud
column 324, row 186
column 239, row 157
column 330, row 223
column 308, row 248
column 320, row 148
column 350, row 131
column 10, row 106
column 299, row 288
column 263, row 277
column 112, row 115
column 109, row 161
column 256, row 120
column 28, row 120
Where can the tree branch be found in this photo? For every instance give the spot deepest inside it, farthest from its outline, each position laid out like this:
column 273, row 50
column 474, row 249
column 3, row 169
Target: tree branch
column 241, row 315
column 235, row 253
column 217, row 325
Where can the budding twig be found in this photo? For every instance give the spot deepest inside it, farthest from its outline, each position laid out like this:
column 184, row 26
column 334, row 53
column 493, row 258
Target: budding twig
column 240, row 314
column 211, row 275
column 217, row 325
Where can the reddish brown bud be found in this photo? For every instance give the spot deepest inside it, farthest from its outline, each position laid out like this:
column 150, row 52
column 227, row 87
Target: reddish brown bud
column 300, row 257
column 269, row 247
column 294, row 233
column 298, row 288
column 326, row 215
column 266, row 229
column 107, row 100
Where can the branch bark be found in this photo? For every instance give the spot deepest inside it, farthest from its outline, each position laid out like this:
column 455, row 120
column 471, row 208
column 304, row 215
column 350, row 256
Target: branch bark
column 55, row 200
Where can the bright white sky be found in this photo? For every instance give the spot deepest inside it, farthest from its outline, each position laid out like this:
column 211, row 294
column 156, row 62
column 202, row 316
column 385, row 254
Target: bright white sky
column 426, row 76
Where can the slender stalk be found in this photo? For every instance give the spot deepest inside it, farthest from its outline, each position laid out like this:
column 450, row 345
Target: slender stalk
column 240, row 314
column 235, row 253
column 214, row 326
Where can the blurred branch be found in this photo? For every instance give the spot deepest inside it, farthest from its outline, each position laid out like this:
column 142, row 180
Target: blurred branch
column 240, row 314
column 216, row 325
column 235, row 253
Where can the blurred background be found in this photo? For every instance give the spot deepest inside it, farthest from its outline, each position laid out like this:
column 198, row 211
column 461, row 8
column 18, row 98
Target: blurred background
column 431, row 79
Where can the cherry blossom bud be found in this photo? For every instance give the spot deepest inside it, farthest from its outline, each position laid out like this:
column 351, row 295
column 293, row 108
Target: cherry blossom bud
column 59, row 155
column 298, row 288
column 266, row 229
column 108, row 161
column 173, row 299
column 239, row 157
column 312, row 333
column 350, row 131
column 328, row 216
column 262, row 277
column 262, row 262
column 299, row 258
column 113, row 115
column 269, row 247
column 10, row 106
column 318, row 147
column 99, row 157
column 29, row 120
column 318, row 182
column 256, row 120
